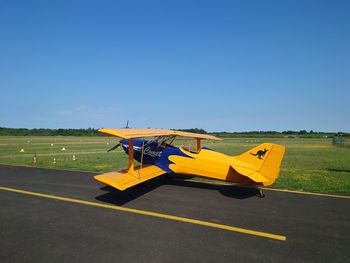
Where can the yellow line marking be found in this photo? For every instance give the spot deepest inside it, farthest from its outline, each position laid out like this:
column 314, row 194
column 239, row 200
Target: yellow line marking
column 306, row 193
column 148, row 213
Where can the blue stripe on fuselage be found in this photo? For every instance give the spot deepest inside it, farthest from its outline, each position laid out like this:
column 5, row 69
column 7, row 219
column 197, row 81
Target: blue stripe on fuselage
column 151, row 150
column 153, row 153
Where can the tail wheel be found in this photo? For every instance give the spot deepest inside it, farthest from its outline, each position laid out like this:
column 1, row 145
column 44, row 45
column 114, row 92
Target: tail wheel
column 261, row 193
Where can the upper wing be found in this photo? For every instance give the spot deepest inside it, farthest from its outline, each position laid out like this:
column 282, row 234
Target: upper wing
column 195, row 135
column 127, row 133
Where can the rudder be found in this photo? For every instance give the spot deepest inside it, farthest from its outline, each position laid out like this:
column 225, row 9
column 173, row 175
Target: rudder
column 266, row 160
column 271, row 166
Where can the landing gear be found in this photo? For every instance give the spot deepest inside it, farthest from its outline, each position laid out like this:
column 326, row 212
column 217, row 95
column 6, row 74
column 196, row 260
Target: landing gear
column 260, row 192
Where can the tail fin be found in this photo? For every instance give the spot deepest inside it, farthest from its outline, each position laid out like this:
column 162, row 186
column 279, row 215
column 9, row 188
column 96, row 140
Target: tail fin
column 265, row 159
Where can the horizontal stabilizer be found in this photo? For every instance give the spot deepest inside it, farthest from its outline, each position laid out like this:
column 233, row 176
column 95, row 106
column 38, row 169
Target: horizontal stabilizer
column 248, row 171
column 257, row 177
column 125, row 179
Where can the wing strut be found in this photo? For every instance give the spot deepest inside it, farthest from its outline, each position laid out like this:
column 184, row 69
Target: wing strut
column 142, row 153
column 131, row 155
column 198, row 144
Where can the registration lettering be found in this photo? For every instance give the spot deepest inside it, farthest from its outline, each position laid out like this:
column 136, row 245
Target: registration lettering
column 151, row 153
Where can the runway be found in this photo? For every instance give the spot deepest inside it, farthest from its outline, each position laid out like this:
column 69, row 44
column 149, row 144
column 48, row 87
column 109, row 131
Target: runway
column 54, row 216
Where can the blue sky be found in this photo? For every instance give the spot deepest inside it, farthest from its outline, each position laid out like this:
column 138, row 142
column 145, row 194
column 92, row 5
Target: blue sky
column 217, row 65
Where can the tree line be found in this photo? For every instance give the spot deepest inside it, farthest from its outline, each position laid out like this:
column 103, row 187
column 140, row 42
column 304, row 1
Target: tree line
column 94, row 132
column 48, row 132
column 283, row 134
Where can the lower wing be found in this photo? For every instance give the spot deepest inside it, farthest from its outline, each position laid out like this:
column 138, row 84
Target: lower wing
column 125, row 179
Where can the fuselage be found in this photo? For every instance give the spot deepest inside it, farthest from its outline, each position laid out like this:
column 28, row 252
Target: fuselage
column 171, row 159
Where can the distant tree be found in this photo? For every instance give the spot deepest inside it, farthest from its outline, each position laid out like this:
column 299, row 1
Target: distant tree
column 194, row 130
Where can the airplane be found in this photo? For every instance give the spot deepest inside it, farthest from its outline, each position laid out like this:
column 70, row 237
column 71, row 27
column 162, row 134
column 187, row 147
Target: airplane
column 258, row 167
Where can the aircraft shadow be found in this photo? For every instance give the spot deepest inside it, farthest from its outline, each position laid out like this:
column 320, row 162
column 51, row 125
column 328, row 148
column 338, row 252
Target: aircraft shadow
column 116, row 197
column 233, row 191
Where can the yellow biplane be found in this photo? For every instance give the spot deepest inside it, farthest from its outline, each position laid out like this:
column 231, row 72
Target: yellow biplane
column 257, row 167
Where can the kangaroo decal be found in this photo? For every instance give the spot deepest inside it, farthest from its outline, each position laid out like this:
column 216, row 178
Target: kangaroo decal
column 260, row 154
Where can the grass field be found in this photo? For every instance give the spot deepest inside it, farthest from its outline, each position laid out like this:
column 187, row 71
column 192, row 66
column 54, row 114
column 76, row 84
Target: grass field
column 309, row 164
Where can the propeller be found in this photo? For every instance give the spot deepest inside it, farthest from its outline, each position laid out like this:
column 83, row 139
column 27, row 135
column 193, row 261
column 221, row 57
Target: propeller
column 114, row 147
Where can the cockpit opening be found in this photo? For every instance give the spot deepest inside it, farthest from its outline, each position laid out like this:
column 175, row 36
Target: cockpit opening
column 165, row 141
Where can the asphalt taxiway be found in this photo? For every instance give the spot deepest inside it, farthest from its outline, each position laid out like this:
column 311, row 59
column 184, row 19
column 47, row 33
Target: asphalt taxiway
column 64, row 216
